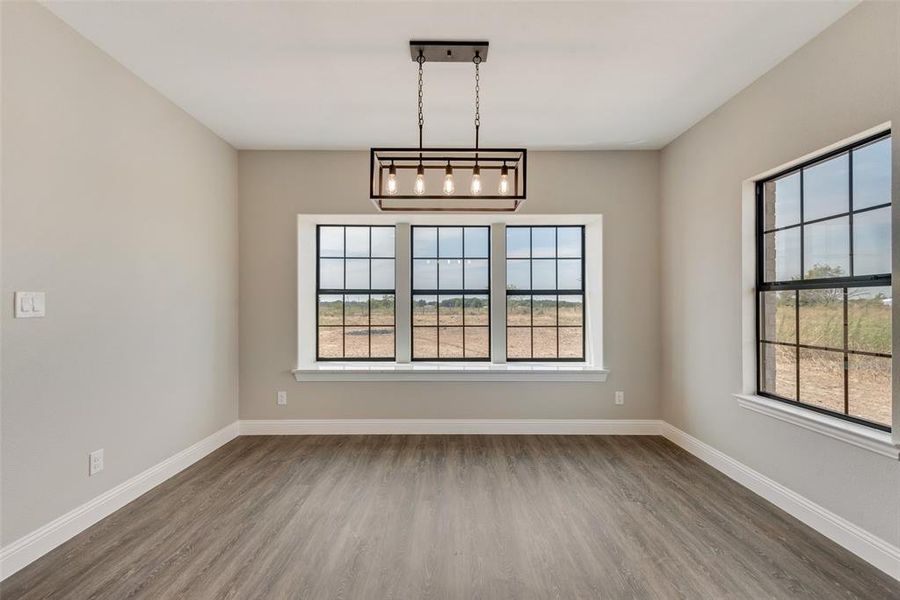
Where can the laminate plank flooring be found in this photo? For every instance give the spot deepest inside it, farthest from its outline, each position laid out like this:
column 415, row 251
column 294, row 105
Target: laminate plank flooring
column 449, row 517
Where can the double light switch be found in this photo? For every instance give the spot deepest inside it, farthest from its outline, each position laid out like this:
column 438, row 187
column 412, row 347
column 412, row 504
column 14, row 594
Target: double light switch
column 30, row 305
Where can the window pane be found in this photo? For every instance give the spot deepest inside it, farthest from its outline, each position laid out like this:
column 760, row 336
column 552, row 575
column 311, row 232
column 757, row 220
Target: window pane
column 569, row 275
column 543, row 273
column 356, row 342
column 826, row 188
column 568, row 242
column 450, row 342
column 424, row 242
column 331, row 241
column 571, row 310
column 518, row 274
column 357, row 241
column 383, row 242
column 357, row 273
column 477, row 345
column 778, row 370
column 331, row 310
column 425, row 274
column 450, row 273
column 518, row 342
column 822, row 379
column 781, row 255
column 450, row 242
column 476, row 310
column 543, row 242
column 869, row 319
column 424, row 311
column 872, row 174
column 424, row 342
column 476, row 275
column 869, row 388
column 544, row 342
column 331, row 342
column 477, row 242
column 518, row 242
column 331, row 273
column 356, row 309
column 450, row 311
column 544, row 310
column 382, row 309
column 383, row 274
column 778, row 316
column 822, row 318
column 518, row 310
column 872, row 242
column 571, row 342
column 781, row 206
column 382, row 342
column 826, row 248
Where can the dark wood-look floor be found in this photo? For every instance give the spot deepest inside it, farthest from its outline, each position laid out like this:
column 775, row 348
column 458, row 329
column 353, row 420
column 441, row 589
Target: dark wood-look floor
column 449, row 517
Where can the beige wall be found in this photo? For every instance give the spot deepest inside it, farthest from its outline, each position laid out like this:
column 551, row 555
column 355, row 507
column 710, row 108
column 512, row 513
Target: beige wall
column 124, row 210
column 843, row 82
column 276, row 186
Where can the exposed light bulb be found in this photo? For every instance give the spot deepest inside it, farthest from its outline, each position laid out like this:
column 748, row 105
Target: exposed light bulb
column 392, row 180
column 475, row 187
column 449, row 188
column 503, row 188
column 419, row 187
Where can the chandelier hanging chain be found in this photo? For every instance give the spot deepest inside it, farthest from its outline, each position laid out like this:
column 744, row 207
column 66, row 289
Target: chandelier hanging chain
column 421, row 61
column 477, row 61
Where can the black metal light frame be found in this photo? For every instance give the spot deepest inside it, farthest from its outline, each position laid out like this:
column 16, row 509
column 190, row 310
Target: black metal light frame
column 796, row 286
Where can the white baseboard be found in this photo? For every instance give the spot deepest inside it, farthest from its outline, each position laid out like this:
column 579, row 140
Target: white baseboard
column 25, row 550
column 870, row 548
column 451, row 426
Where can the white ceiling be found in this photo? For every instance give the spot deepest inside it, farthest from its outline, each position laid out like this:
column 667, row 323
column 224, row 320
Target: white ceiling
column 337, row 75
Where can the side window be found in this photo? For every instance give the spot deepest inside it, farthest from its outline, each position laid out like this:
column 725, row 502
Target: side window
column 824, row 284
column 545, row 293
column 355, row 292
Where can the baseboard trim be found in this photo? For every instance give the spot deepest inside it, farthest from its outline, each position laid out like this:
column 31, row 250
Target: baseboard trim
column 872, row 549
column 451, row 426
column 29, row 548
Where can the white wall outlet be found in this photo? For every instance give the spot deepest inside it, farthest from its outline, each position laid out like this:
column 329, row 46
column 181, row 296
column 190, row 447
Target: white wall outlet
column 620, row 397
column 96, row 462
column 30, row 305
column 282, row 399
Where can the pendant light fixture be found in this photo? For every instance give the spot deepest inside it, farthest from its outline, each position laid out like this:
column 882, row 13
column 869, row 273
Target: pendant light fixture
column 409, row 179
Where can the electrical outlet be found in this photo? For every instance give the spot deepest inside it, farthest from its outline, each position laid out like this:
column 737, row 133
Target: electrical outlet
column 282, row 399
column 96, row 462
column 620, row 397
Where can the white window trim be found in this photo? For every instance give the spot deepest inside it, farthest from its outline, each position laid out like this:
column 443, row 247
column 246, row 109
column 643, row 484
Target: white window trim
column 308, row 369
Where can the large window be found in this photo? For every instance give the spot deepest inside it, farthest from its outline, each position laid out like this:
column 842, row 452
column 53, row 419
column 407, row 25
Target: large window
column 544, row 293
column 355, row 292
column 824, row 283
column 451, row 282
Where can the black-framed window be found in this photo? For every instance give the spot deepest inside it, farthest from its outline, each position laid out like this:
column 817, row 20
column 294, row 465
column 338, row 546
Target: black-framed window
column 544, row 293
column 451, row 298
column 355, row 318
column 824, row 283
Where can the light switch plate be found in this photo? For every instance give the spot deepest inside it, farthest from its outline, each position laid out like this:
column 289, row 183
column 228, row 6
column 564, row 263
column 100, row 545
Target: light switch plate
column 30, row 305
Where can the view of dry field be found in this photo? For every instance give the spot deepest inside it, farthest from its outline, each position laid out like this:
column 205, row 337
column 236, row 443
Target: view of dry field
column 821, row 371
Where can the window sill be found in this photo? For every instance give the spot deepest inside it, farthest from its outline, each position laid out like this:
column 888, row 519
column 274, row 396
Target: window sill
column 361, row 371
column 860, row 436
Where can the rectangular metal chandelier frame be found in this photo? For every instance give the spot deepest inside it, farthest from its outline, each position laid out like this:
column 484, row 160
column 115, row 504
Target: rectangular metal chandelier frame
column 463, row 160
